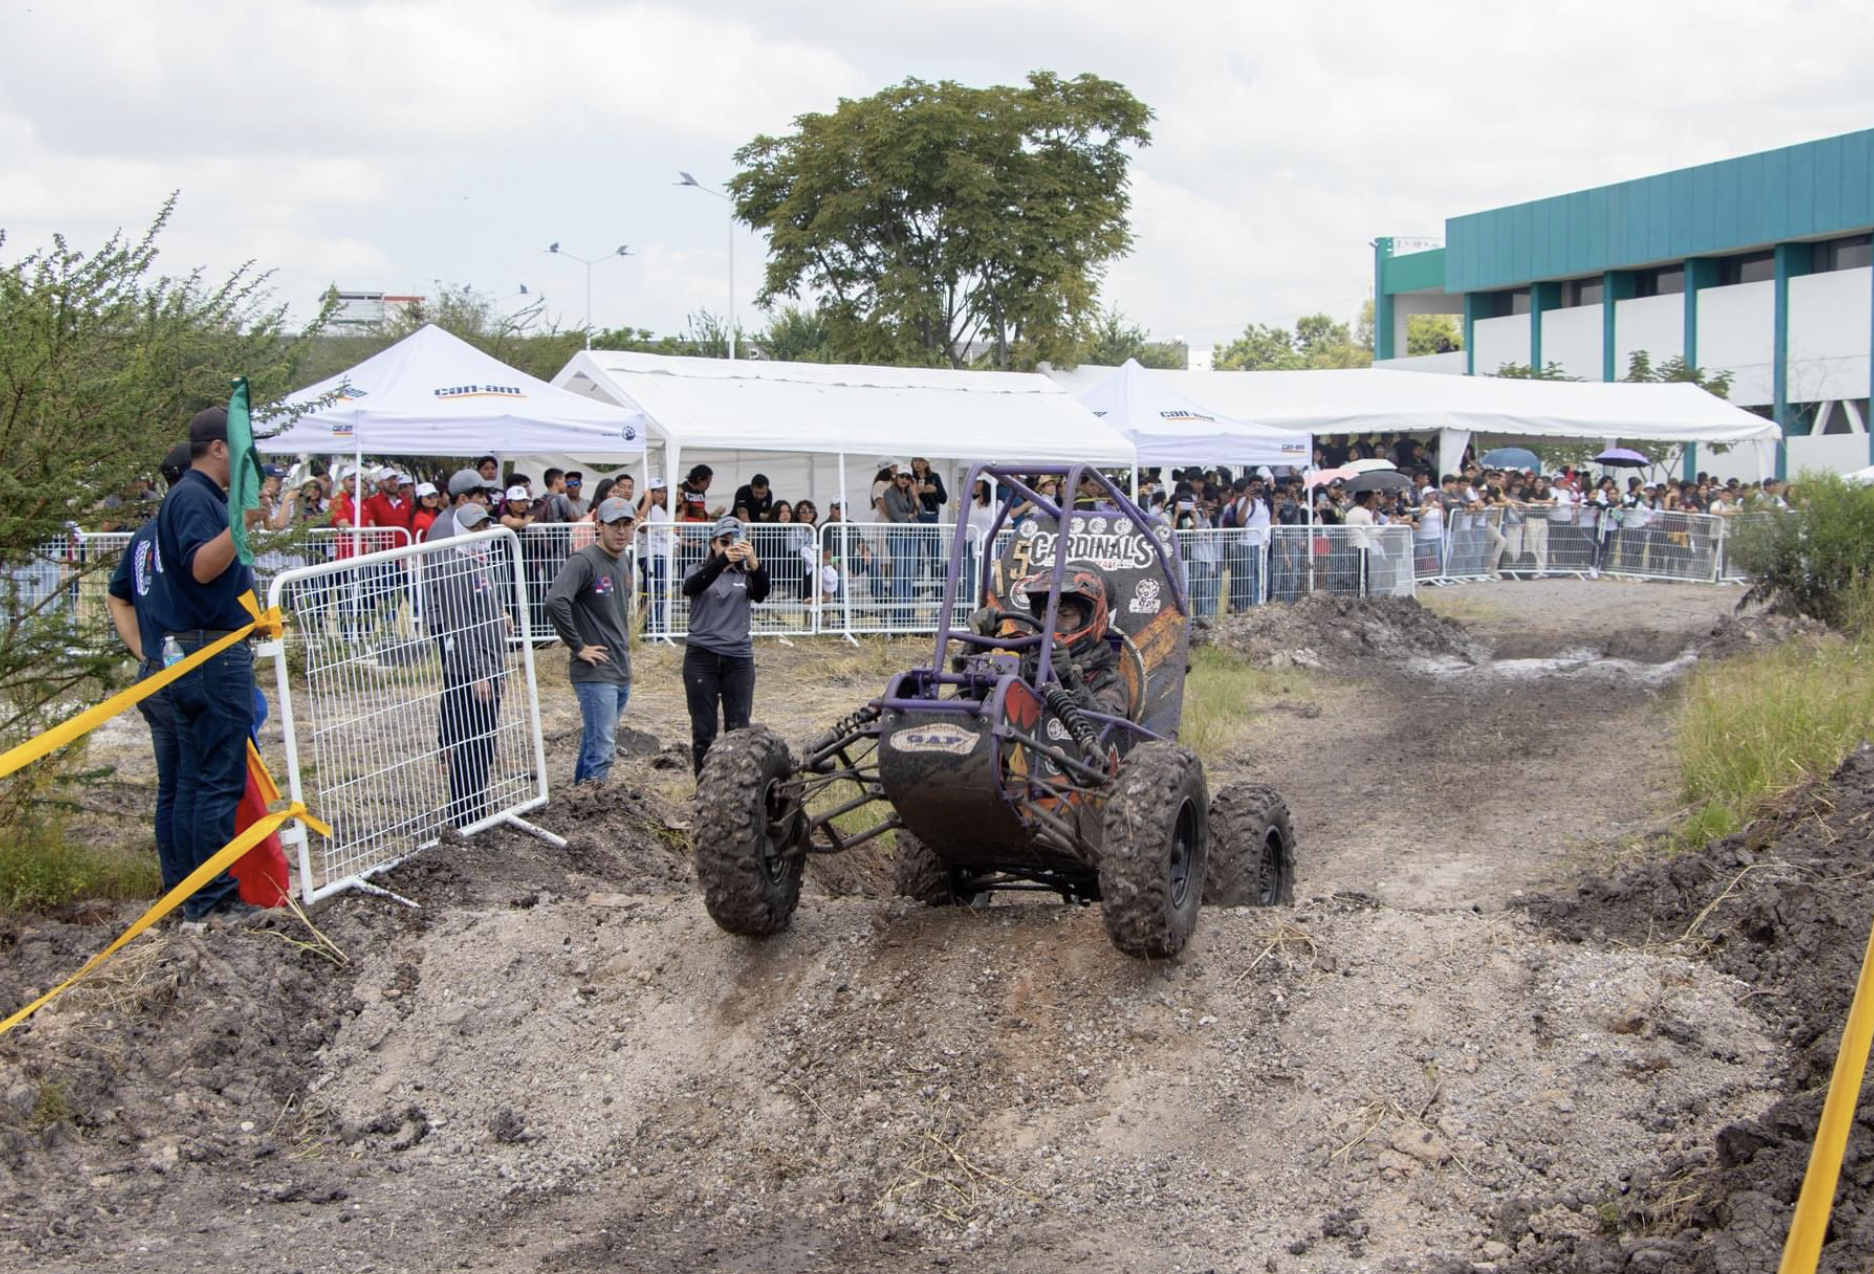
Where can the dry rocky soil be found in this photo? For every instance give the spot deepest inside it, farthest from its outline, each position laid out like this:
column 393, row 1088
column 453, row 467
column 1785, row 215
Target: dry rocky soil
column 1493, row 1032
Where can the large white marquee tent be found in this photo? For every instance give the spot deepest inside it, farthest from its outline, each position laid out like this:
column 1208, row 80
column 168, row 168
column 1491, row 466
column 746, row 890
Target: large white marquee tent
column 1367, row 400
column 818, row 430
column 1169, row 428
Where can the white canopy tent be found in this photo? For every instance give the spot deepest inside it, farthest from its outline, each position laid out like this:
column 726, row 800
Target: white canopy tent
column 1169, row 428
column 818, row 428
column 1366, row 400
column 433, row 394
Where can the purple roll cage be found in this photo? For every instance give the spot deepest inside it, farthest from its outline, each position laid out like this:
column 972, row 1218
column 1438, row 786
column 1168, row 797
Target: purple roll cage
column 927, row 680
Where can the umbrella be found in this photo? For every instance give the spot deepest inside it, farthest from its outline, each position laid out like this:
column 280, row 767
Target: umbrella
column 1512, row 458
column 1621, row 458
column 1321, row 477
column 1369, row 466
column 1380, row 480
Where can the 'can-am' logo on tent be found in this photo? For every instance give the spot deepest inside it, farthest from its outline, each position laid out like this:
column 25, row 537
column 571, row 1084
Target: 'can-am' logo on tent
column 481, row 391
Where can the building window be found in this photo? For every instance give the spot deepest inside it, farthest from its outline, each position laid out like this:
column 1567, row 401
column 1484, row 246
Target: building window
column 1854, row 252
column 1581, row 292
column 1666, row 280
column 1503, row 304
column 1747, row 267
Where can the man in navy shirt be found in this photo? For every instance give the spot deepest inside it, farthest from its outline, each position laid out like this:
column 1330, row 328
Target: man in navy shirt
column 135, row 619
column 196, row 603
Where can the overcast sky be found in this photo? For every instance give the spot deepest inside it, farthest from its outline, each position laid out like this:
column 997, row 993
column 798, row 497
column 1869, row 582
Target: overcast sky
column 389, row 145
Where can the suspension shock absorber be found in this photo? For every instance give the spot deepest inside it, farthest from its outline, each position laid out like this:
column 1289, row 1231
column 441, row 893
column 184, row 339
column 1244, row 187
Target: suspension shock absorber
column 1057, row 697
column 839, row 736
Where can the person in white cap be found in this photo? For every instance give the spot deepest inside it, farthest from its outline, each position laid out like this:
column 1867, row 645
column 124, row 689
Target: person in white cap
column 589, row 606
column 428, row 508
column 657, row 540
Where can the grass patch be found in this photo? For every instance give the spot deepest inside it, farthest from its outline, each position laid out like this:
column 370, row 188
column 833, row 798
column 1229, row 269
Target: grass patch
column 40, row 871
column 1752, row 730
column 1222, row 694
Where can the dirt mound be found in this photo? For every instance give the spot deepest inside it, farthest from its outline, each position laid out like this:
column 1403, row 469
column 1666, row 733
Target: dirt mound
column 1334, row 633
column 1783, row 907
column 1741, row 632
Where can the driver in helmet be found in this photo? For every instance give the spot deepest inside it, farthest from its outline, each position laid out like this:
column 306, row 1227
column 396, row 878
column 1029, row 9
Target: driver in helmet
column 1086, row 661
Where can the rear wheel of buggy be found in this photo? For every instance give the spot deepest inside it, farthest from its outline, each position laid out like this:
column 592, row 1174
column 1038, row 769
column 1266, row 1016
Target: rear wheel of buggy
column 1152, row 850
column 747, row 828
column 1252, row 849
column 918, row 873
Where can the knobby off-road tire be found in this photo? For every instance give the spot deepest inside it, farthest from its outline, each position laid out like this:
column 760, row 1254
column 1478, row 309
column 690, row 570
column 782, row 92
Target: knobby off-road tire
column 1152, row 850
column 918, row 873
column 1252, row 849
column 750, row 883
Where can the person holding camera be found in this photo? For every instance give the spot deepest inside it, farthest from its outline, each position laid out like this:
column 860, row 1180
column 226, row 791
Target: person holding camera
column 719, row 655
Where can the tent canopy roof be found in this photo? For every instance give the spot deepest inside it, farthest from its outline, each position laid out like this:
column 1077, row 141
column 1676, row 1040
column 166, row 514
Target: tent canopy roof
column 1365, row 400
column 434, row 394
column 1169, row 428
column 720, row 405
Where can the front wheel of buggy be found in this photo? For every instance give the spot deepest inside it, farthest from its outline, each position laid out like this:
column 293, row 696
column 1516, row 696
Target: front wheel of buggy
column 1252, row 849
column 1152, row 850
column 918, row 873
column 747, row 859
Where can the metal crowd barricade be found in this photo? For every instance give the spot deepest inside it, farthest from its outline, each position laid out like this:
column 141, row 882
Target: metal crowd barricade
column 1346, row 561
column 1730, row 528
column 397, row 732
column 791, row 553
column 1661, row 545
column 887, row 577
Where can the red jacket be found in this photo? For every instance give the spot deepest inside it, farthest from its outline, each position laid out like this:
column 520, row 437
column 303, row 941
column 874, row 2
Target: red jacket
column 386, row 510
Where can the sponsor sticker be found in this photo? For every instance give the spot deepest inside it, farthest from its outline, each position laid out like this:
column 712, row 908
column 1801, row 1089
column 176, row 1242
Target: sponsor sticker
column 952, row 740
column 480, row 391
column 1146, row 600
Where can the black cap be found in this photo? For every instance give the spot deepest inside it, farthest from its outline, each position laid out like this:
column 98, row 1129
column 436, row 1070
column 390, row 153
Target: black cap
column 176, row 463
column 209, row 426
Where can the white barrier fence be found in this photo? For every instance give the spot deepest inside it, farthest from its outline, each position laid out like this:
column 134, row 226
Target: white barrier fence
column 867, row 578
column 412, row 714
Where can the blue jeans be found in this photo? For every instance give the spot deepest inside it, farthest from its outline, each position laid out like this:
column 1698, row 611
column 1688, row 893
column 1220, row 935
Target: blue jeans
column 1203, row 589
column 160, row 713
column 601, row 703
column 1245, row 576
column 655, row 569
column 903, row 547
column 214, row 707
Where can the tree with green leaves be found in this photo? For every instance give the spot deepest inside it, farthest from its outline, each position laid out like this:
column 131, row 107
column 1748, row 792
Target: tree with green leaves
column 1318, row 341
column 1115, row 338
column 1550, row 370
column 102, row 362
column 945, row 225
column 1641, row 370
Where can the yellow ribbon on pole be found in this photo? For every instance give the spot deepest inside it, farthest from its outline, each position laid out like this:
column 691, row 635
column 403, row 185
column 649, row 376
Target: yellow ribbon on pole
column 1803, row 1248
column 221, row 861
column 268, row 623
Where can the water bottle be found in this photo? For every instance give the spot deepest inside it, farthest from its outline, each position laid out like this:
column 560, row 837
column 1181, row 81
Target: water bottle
column 172, row 652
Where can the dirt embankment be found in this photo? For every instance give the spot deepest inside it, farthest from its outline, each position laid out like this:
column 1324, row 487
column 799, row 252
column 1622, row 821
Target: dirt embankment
column 559, row 1064
column 1784, row 908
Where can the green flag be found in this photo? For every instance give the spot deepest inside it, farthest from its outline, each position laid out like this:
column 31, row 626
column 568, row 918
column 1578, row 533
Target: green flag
column 244, row 474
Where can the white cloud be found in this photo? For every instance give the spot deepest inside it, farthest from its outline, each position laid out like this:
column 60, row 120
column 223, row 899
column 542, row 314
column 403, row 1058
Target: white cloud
column 392, row 144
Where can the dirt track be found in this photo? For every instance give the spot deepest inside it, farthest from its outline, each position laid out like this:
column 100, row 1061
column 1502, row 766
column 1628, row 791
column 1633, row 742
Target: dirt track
column 559, row 1064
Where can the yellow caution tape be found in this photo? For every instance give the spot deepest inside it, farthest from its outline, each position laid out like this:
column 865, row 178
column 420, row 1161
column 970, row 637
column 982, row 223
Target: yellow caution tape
column 268, row 623
column 1803, row 1248
column 223, row 858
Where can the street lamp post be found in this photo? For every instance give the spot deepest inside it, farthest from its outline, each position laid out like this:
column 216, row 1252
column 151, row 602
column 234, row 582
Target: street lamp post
column 688, row 180
column 554, row 249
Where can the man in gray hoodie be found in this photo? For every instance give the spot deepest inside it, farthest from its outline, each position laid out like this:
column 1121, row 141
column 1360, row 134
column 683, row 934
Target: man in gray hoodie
column 589, row 606
column 470, row 621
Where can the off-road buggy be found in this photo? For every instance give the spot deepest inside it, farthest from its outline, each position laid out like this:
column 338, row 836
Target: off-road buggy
column 1036, row 750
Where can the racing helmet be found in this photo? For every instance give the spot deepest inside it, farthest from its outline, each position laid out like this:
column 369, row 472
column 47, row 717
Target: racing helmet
column 1080, row 624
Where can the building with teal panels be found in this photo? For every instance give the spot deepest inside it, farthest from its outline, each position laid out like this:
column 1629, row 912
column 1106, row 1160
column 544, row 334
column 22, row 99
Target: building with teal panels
column 1761, row 266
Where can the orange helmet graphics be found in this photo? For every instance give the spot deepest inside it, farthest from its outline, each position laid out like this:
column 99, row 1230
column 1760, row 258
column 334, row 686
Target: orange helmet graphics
column 1082, row 626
